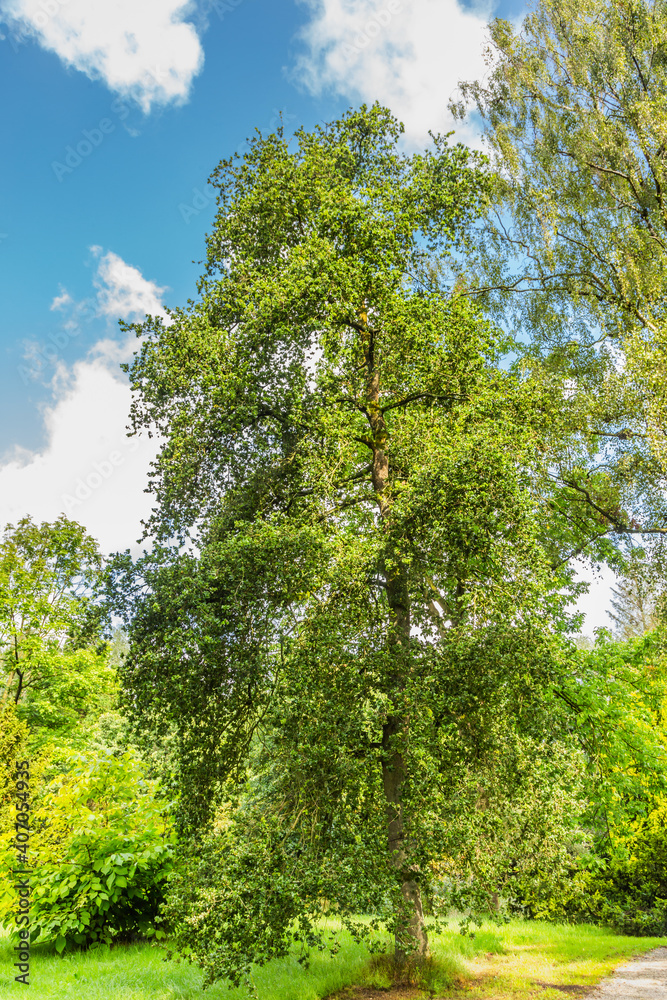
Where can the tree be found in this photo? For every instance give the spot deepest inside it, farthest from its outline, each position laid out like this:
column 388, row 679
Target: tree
column 614, row 702
column 574, row 109
column 362, row 589
column 638, row 598
column 52, row 662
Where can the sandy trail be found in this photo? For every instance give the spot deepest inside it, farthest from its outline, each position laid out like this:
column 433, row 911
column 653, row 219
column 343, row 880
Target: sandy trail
column 643, row 978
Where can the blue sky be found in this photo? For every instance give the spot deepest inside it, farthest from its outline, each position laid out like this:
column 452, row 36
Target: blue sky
column 125, row 195
column 114, row 115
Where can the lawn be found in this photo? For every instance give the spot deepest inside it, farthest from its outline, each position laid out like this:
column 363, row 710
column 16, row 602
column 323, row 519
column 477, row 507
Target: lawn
column 518, row 960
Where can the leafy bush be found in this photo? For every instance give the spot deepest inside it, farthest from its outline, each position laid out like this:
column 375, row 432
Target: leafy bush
column 629, row 889
column 102, row 848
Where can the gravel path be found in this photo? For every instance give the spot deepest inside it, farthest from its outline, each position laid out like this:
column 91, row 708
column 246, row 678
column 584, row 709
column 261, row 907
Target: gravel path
column 643, row 978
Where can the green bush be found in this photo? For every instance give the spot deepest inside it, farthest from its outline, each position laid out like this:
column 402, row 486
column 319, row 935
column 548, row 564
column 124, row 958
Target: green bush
column 628, row 888
column 102, row 847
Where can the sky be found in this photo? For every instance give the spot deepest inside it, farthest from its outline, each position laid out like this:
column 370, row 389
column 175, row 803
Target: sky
column 114, row 113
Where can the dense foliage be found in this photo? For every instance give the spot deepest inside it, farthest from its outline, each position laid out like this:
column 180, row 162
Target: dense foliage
column 356, row 638
column 53, row 663
column 101, row 846
column 348, row 648
column 100, row 840
column 620, row 698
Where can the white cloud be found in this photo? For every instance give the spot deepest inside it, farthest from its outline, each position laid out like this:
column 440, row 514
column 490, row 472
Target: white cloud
column 123, row 292
column 120, row 292
column 62, row 300
column 89, row 469
column 408, row 54
column 143, row 49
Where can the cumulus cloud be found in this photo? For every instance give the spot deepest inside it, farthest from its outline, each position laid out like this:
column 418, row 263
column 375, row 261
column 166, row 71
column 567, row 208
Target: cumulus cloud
column 88, row 468
column 122, row 290
column 408, row 54
column 144, row 49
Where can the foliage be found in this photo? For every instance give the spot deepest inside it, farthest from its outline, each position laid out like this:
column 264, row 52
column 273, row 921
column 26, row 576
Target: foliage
column 373, row 552
column 617, row 692
column 613, row 699
column 516, row 837
column 628, row 891
column 250, row 889
column 52, row 658
column 574, row 109
column 638, row 599
column 622, row 696
column 101, row 845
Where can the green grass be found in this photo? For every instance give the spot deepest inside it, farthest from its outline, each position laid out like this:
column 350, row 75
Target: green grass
column 139, row 972
column 507, row 963
column 518, row 959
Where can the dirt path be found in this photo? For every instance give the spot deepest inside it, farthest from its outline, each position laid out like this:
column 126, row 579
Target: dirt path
column 643, row 978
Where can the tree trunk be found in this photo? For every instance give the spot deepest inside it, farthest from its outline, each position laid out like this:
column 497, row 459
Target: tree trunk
column 411, row 939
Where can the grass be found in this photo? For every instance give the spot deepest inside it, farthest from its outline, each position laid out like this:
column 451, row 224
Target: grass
column 513, row 962
column 521, row 959
column 139, row 972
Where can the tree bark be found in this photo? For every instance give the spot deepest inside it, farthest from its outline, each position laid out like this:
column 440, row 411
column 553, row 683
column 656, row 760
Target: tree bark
column 411, row 939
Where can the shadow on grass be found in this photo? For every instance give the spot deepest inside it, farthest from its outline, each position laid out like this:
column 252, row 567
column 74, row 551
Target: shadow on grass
column 382, row 977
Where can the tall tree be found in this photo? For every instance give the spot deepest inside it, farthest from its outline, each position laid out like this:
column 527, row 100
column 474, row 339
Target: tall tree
column 367, row 589
column 574, row 109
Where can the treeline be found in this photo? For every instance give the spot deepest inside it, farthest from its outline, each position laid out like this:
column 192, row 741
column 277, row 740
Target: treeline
column 414, row 391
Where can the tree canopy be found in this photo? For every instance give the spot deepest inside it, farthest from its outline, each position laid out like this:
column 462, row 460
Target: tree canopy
column 574, row 113
column 372, row 550
column 52, row 663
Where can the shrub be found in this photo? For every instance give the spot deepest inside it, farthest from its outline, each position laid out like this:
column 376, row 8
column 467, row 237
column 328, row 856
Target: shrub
column 102, row 848
column 628, row 887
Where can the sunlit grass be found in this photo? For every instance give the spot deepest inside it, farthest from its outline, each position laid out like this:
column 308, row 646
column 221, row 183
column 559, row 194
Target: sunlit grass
column 519, row 958
column 512, row 961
